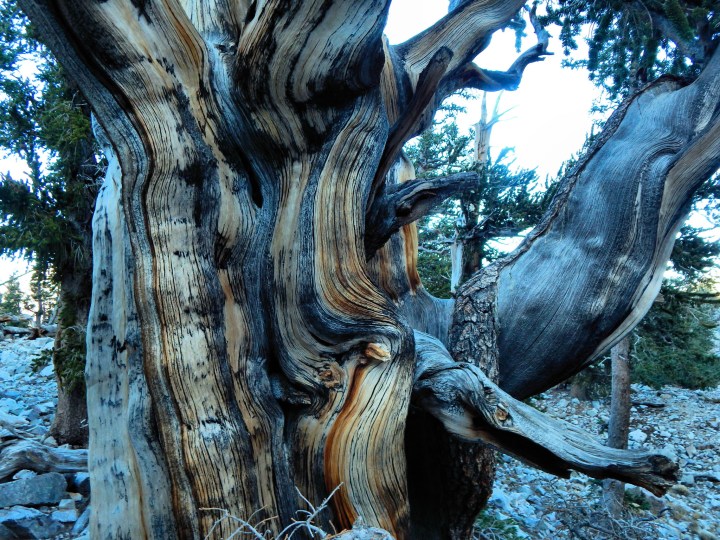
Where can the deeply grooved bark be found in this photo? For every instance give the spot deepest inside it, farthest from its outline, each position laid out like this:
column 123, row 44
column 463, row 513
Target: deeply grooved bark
column 468, row 469
column 256, row 299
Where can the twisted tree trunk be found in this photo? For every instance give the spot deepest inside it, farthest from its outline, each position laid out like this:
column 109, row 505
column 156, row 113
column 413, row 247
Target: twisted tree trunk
column 253, row 332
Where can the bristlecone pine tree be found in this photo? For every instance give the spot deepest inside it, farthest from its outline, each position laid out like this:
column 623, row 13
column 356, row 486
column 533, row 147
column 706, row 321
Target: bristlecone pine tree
column 258, row 324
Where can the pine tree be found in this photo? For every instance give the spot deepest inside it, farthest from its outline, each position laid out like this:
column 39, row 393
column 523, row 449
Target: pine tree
column 46, row 210
column 630, row 45
column 503, row 203
column 633, row 43
column 43, row 296
column 13, row 298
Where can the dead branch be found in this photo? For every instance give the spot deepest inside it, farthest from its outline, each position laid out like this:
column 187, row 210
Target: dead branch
column 404, row 203
column 471, row 407
column 28, row 454
column 465, row 31
column 473, row 76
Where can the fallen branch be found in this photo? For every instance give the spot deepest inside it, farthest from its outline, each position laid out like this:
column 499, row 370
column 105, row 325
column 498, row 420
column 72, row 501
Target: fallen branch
column 27, row 454
column 651, row 404
column 471, row 407
column 32, row 332
column 14, row 319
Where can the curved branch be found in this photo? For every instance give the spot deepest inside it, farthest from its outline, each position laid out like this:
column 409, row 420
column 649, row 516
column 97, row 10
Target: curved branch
column 471, row 407
column 465, row 31
column 419, row 73
column 472, row 76
column 404, row 203
column 587, row 275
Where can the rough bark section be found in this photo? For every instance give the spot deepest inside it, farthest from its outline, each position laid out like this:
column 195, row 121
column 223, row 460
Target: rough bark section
column 465, row 470
column 70, row 422
column 242, row 214
column 131, row 491
column 554, row 320
column 444, row 473
column 188, row 203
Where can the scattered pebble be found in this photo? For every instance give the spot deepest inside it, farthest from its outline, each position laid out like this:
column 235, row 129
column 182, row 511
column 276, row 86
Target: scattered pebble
column 686, row 428
column 542, row 506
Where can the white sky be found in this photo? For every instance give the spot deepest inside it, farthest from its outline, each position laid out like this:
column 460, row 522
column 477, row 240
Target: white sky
column 550, row 111
column 549, row 115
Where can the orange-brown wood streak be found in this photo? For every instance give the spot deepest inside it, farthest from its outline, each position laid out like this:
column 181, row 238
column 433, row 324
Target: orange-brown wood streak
column 410, row 242
column 166, row 62
column 362, row 438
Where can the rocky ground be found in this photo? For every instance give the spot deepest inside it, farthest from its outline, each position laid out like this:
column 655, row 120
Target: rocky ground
column 682, row 422
column 526, row 503
column 35, row 504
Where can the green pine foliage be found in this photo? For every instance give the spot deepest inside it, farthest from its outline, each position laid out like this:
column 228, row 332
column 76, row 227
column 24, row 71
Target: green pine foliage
column 631, row 43
column 45, row 211
column 489, row 526
column 434, row 237
column 43, row 296
column 675, row 342
column 505, row 203
column 12, row 299
column 46, row 207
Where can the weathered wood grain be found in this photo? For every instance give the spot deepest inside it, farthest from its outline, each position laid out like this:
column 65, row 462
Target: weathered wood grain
column 128, row 472
column 16, row 455
column 617, row 220
column 256, row 285
column 469, row 405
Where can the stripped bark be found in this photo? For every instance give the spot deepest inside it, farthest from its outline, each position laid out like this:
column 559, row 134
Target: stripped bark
column 245, row 340
column 616, row 215
column 125, row 458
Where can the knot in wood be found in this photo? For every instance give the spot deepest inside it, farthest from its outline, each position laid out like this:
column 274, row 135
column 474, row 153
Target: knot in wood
column 501, row 414
column 377, row 351
column 331, row 375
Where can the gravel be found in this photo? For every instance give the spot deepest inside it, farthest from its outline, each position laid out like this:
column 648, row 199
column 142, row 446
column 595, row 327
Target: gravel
column 681, row 422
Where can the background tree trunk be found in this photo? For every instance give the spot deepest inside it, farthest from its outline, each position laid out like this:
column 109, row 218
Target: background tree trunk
column 70, row 424
column 619, row 425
